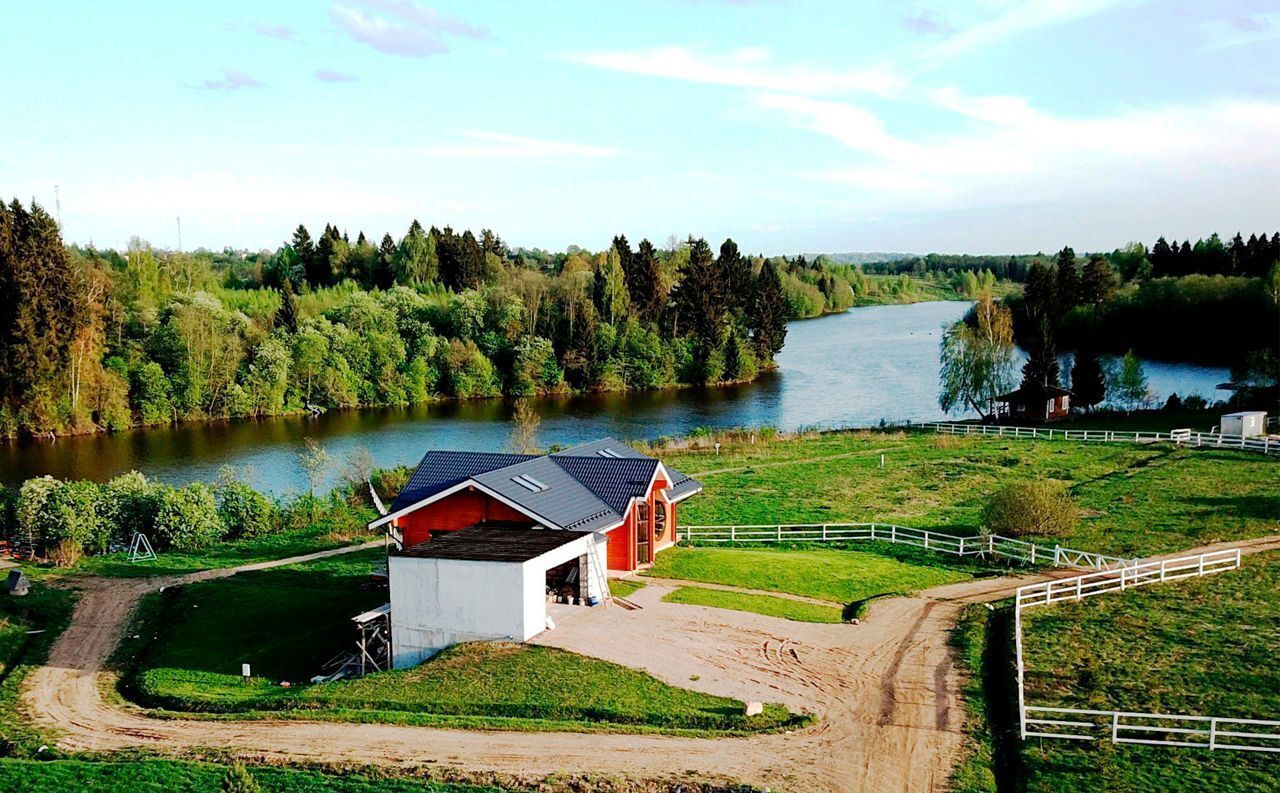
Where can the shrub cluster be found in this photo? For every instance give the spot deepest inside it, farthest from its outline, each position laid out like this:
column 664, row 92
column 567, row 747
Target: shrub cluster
column 1039, row 508
column 64, row 520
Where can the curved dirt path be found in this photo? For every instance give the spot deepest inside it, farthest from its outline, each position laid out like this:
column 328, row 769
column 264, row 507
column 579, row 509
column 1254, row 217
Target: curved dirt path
column 886, row 693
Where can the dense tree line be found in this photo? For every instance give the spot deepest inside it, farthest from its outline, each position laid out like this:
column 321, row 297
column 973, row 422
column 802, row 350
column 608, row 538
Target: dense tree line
column 109, row 339
column 1225, row 313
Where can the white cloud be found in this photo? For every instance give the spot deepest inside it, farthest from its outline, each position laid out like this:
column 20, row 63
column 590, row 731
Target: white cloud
column 1221, row 34
column 400, row 27
column 1019, row 154
column 747, row 67
column 498, row 145
column 1015, row 19
column 232, row 80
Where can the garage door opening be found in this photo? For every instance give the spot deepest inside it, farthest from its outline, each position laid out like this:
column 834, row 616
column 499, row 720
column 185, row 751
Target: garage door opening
column 564, row 582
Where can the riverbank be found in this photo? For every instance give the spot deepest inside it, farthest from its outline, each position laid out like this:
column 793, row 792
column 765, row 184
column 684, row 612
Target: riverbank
column 853, row 369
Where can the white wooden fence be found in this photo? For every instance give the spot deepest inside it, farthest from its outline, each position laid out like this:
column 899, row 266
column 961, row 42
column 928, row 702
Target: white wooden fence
column 1184, row 437
column 1154, row 729
column 992, row 545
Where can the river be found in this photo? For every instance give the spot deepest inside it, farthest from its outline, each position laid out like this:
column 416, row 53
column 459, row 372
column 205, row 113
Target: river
column 852, row 369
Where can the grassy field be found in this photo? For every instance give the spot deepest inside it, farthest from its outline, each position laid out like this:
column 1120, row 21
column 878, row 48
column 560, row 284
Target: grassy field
column 233, row 553
column 838, row 575
column 48, row 611
column 1199, row 647
column 172, row 776
column 1134, row 500
column 757, row 604
column 286, row 623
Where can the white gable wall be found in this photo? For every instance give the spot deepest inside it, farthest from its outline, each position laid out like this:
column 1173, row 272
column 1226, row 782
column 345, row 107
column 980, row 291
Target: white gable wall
column 436, row 603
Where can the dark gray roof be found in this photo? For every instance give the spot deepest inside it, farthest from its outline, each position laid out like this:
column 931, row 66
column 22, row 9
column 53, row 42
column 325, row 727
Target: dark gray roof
column 491, row 543
column 440, row 470
column 681, row 485
column 585, row 488
column 614, row 481
column 565, row 502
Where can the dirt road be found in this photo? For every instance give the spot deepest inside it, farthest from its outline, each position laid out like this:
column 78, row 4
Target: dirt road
column 886, row 693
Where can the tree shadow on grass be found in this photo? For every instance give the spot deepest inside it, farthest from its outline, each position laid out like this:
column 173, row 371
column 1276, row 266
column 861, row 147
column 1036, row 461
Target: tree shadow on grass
column 1256, row 507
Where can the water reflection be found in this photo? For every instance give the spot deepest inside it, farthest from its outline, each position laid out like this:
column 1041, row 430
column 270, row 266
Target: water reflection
column 853, row 369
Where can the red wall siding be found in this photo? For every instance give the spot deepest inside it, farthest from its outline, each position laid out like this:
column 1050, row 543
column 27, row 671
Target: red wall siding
column 457, row 511
column 621, row 552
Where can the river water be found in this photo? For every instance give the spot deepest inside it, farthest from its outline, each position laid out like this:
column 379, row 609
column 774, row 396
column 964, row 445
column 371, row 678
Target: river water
column 852, row 369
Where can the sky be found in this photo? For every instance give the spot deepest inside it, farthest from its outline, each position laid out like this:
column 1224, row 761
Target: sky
column 988, row 126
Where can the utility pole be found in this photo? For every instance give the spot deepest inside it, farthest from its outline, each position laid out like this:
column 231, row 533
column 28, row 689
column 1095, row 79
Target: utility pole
column 57, row 206
column 179, row 234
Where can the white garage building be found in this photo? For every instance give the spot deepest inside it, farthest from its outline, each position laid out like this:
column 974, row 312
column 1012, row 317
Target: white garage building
column 487, row 582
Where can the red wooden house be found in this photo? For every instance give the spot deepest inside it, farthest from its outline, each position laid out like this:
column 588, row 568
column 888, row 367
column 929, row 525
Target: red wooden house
column 604, row 487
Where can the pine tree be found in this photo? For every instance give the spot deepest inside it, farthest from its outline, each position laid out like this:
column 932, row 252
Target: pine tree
column 320, row 271
column 700, row 298
column 305, row 248
column 1088, row 380
column 384, row 272
column 644, row 283
column 471, row 273
column 733, row 363
column 287, row 316
column 1042, row 357
column 768, row 316
column 736, row 270
column 1068, row 280
column 43, row 306
column 1162, row 256
column 1098, row 285
column 1040, row 295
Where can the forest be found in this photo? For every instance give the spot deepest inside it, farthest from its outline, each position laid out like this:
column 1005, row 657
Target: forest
column 1210, row 303
column 104, row 339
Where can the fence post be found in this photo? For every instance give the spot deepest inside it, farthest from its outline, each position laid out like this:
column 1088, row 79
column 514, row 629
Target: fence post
column 1115, row 726
column 1033, row 553
column 1163, row 568
column 779, row 532
column 824, row 532
column 1213, row 734
column 1201, row 570
column 893, row 532
column 926, row 540
column 733, row 534
column 1079, row 587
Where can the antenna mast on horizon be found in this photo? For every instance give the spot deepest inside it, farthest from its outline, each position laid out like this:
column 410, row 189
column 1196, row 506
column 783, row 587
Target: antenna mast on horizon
column 179, row 234
column 57, row 206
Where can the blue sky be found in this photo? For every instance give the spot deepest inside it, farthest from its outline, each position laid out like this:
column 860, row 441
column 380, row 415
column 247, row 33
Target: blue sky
column 985, row 126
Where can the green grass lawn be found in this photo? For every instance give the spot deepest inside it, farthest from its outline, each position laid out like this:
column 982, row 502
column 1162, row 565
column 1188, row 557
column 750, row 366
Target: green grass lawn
column 1135, row 500
column 1198, row 647
column 173, row 776
column 757, row 604
column 624, row 588
column 840, row 576
column 48, row 611
column 294, row 542
column 287, row 622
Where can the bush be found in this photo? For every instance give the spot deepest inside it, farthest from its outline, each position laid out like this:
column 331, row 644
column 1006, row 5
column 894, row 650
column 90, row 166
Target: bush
column 8, row 513
column 1041, row 508
column 63, row 515
column 187, row 518
column 239, row 780
column 130, row 504
column 245, row 512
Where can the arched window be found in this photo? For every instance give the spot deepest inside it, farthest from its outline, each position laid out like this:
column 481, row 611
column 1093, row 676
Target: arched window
column 660, row 509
